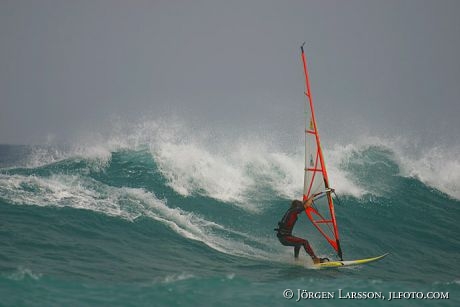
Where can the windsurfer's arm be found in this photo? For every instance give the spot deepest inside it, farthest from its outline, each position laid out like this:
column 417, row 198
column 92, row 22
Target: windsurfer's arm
column 323, row 192
column 307, row 203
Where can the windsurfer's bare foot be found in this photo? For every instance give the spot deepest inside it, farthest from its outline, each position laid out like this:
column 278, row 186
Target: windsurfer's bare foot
column 320, row 260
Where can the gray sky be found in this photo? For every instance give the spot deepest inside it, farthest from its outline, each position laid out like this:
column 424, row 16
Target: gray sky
column 390, row 67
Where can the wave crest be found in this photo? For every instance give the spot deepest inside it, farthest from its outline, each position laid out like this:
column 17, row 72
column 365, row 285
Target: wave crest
column 245, row 171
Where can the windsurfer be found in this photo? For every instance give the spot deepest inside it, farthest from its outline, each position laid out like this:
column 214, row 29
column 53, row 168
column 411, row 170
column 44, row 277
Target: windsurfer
column 284, row 232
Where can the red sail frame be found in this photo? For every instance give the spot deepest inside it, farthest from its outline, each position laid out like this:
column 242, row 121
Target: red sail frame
column 316, row 218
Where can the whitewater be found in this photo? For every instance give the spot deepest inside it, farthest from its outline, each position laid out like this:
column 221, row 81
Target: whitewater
column 155, row 215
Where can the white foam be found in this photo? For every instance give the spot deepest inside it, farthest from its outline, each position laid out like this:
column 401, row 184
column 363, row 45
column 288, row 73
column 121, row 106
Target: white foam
column 62, row 191
column 22, row 273
column 447, row 283
column 192, row 226
column 43, row 155
column 269, row 167
column 240, row 170
column 98, row 155
column 230, row 276
column 437, row 167
column 237, row 170
column 176, row 277
column 128, row 203
column 339, row 178
column 234, row 174
column 191, row 168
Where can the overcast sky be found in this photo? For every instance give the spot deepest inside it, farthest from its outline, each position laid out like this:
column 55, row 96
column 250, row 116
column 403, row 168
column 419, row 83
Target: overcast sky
column 385, row 66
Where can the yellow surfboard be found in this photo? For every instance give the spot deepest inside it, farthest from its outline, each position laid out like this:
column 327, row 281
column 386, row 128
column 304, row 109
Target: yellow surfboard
column 337, row 264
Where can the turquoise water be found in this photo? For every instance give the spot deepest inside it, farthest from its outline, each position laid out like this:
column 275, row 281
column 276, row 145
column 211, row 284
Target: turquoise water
column 149, row 226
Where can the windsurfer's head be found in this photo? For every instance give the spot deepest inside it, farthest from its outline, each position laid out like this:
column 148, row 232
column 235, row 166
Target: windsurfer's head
column 296, row 204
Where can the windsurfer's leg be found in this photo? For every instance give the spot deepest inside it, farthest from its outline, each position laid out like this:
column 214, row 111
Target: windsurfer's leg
column 296, row 251
column 309, row 250
column 297, row 243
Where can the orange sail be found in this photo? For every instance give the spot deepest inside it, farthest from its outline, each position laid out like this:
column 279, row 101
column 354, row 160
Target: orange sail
column 316, row 182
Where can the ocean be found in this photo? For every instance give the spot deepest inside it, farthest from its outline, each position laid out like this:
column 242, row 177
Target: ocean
column 169, row 221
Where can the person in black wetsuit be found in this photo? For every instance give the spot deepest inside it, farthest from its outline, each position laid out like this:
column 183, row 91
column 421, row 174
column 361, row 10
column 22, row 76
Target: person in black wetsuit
column 284, row 232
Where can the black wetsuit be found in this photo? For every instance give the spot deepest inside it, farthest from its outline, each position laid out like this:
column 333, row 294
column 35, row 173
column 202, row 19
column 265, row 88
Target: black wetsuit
column 285, row 230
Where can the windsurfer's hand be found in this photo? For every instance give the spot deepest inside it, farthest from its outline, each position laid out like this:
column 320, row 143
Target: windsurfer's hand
column 308, row 202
